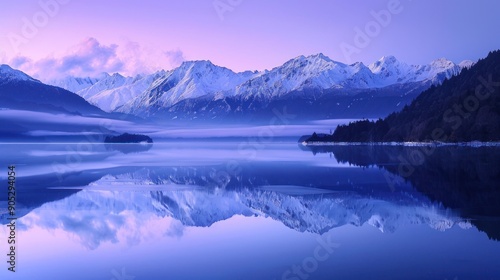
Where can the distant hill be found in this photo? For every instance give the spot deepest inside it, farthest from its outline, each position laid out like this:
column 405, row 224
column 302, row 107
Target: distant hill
column 464, row 108
column 33, row 111
column 21, row 92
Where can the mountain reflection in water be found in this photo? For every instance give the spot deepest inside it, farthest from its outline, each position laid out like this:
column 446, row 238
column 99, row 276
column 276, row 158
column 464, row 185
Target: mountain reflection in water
column 163, row 210
column 465, row 179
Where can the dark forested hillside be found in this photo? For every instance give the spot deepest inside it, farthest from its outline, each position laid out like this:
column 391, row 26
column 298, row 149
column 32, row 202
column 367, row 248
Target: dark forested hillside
column 28, row 94
column 463, row 108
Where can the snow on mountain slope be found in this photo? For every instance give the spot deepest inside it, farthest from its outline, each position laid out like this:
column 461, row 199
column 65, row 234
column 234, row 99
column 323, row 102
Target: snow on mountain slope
column 437, row 71
column 75, row 84
column 466, row 64
column 320, row 72
column 317, row 71
column 388, row 70
column 114, row 91
column 108, row 82
column 9, row 74
column 191, row 80
column 108, row 92
column 362, row 77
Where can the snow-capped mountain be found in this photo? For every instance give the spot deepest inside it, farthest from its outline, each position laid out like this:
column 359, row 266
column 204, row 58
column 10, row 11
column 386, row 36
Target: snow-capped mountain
column 108, row 82
column 75, row 84
column 115, row 90
column 7, row 74
column 320, row 72
column 388, row 70
column 108, row 92
column 191, row 80
column 316, row 71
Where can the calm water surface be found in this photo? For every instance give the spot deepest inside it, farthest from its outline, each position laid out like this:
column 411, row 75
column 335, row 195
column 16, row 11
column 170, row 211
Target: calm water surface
column 247, row 210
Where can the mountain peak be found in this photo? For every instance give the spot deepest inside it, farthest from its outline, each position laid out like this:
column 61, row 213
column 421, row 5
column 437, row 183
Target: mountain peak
column 117, row 75
column 358, row 65
column 8, row 73
column 73, row 84
column 442, row 63
column 319, row 56
column 388, row 59
column 316, row 62
column 466, row 64
column 5, row 66
column 196, row 63
column 385, row 60
column 198, row 66
column 102, row 75
column 388, row 66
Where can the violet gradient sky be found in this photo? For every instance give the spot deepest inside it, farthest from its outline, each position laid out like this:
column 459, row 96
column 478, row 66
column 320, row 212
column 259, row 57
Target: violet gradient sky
column 86, row 37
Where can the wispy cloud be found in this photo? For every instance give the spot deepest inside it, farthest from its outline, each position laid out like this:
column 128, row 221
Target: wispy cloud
column 20, row 61
column 90, row 58
column 141, row 59
column 3, row 57
column 175, row 57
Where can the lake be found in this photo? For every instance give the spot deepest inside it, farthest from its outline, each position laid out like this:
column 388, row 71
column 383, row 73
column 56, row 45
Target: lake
column 250, row 209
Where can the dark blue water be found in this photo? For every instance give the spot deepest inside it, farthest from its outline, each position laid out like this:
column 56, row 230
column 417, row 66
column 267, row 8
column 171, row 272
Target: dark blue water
column 232, row 210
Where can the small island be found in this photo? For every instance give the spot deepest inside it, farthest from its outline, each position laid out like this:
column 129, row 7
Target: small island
column 128, row 138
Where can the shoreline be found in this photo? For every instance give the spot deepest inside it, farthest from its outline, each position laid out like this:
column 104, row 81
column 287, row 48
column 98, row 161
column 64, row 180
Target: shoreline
column 406, row 144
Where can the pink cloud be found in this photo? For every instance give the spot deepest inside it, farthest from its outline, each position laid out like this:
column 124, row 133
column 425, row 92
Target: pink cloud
column 175, row 57
column 90, row 58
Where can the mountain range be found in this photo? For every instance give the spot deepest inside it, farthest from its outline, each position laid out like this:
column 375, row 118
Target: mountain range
column 168, row 192
column 313, row 87
column 201, row 208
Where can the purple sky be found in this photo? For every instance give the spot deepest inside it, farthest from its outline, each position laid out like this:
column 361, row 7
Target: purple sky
column 88, row 37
